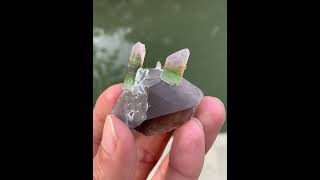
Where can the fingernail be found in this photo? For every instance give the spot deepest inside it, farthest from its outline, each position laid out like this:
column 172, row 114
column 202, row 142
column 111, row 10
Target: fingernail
column 220, row 101
column 109, row 140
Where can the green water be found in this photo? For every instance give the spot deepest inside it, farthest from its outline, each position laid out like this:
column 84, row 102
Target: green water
column 164, row 26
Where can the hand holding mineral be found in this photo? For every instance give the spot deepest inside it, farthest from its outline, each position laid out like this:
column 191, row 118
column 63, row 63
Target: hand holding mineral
column 122, row 154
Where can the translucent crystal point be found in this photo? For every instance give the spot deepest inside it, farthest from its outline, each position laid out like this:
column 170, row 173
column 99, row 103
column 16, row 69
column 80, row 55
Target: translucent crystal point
column 136, row 60
column 174, row 66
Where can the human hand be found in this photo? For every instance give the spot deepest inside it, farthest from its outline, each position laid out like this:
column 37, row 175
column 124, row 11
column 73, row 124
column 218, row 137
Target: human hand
column 120, row 154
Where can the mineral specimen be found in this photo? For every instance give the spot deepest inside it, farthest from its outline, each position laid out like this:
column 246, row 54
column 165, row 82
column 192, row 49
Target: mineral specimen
column 157, row 100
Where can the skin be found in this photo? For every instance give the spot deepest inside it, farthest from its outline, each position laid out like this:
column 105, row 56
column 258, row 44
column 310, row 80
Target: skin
column 120, row 154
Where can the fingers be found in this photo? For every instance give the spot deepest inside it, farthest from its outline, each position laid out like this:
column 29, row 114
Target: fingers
column 149, row 150
column 116, row 156
column 187, row 152
column 211, row 114
column 102, row 108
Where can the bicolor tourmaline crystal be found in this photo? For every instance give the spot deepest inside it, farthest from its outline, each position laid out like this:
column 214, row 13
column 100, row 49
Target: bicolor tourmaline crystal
column 174, row 66
column 136, row 60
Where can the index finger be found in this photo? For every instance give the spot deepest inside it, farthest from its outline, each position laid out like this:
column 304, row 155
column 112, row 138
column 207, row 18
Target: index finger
column 103, row 107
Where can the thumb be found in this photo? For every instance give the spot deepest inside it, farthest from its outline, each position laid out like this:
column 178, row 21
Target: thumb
column 116, row 156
